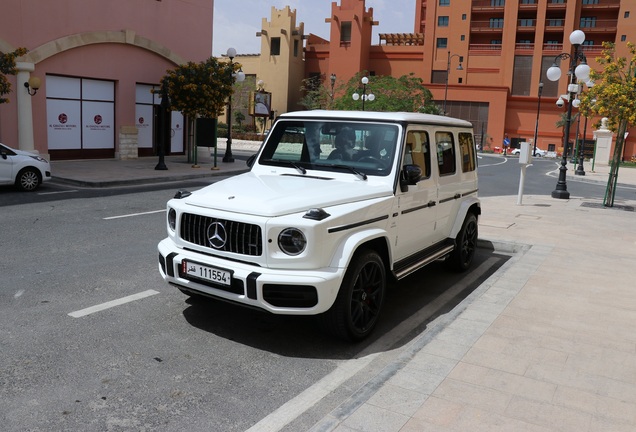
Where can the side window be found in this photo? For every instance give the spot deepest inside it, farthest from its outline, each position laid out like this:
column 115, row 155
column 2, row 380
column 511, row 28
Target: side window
column 467, row 151
column 445, row 153
column 418, row 151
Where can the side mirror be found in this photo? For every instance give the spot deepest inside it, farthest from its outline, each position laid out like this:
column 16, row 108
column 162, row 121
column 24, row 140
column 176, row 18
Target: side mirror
column 3, row 154
column 410, row 175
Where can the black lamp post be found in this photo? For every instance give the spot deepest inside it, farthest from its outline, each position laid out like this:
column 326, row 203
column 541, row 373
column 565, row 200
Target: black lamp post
column 448, row 74
column 580, row 72
column 364, row 97
column 239, row 76
column 536, row 126
column 164, row 130
column 333, row 83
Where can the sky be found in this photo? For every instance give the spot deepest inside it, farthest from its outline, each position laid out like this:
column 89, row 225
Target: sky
column 237, row 21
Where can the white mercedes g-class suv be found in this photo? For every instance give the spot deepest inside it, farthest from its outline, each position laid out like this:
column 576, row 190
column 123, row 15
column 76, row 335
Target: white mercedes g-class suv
column 334, row 204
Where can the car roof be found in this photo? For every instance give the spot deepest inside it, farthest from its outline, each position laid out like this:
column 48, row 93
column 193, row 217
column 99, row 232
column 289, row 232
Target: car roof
column 399, row 117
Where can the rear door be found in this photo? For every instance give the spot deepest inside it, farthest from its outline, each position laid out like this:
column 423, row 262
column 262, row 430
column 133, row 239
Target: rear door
column 6, row 165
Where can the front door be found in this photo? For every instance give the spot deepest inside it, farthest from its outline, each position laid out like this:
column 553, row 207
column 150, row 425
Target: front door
column 416, row 208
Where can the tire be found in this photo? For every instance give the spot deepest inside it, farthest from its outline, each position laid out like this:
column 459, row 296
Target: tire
column 357, row 308
column 28, row 179
column 465, row 245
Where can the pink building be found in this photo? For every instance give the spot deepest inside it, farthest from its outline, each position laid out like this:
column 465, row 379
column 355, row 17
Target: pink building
column 97, row 63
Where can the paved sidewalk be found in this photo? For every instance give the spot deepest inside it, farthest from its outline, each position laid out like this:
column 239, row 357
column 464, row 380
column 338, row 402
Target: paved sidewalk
column 548, row 343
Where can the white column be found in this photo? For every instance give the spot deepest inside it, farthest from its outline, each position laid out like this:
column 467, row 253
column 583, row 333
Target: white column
column 25, row 109
column 603, row 136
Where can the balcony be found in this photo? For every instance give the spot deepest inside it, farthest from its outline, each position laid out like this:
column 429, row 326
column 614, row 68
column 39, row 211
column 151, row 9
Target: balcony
column 598, row 26
column 528, row 5
column 602, row 5
column 486, row 26
column 488, row 5
column 557, row 5
column 484, row 49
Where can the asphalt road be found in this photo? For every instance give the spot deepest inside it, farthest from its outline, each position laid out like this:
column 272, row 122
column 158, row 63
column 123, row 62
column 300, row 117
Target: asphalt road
column 91, row 338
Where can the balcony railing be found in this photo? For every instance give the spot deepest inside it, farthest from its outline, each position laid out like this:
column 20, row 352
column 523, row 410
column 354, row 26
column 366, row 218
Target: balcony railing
column 486, row 26
column 488, row 4
column 602, row 4
column 485, row 49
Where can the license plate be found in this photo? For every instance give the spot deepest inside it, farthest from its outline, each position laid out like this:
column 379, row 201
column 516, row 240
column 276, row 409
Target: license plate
column 207, row 273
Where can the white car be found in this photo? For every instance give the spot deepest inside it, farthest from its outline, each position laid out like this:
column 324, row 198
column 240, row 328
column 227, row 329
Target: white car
column 539, row 153
column 25, row 170
column 336, row 203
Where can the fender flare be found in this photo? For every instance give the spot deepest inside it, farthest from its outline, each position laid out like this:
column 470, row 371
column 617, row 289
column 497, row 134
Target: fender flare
column 470, row 204
column 349, row 245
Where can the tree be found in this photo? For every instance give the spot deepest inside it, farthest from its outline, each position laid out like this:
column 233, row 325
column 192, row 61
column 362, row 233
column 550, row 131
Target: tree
column 613, row 96
column 316, row 95
column 7, row 67
column 406, row 93
column 200, row 89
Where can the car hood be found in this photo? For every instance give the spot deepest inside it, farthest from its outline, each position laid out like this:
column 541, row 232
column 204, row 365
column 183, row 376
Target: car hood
column 277, row 195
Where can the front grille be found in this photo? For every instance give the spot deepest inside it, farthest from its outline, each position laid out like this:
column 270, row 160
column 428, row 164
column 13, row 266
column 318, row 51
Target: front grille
column 241, row 238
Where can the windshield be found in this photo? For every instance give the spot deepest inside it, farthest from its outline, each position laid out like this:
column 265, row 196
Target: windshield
column 339, row 146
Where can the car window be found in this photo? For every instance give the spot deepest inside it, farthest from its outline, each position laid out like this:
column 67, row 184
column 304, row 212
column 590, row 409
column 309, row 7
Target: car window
column 445, row 153
column 467, row 151
column 328, row 146
column 418, row 151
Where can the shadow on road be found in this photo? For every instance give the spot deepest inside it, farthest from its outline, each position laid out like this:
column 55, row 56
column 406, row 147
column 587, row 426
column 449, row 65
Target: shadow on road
column 304, row 337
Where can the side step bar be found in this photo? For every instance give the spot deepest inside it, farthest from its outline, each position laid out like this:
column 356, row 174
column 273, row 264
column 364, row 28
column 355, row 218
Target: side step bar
column 416, row 262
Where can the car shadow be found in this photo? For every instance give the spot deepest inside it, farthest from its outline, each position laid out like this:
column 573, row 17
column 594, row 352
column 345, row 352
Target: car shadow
column 305, row 337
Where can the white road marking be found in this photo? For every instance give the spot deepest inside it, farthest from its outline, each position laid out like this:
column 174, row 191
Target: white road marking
column 134, row 214
column 310, row 397
column 113, row 303
column 58, row 192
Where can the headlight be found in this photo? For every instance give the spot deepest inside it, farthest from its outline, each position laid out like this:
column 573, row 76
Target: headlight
column 172, row 218
column 292, row 241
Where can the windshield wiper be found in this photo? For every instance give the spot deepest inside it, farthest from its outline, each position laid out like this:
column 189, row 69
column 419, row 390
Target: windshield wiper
column 288, row 162
column 360, row 174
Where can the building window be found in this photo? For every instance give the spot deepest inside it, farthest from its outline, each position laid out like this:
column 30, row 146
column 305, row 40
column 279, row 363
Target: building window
column 626, row 14
column 588, row 22
column 526, row 22
column 296, row 48
column 555, row 23
column 274, row 48
column 442, row 21
column 463, row 17
column 444, row 2
column 495, row 42
column 528, row 2
column 497, row 2
column 345, row 32
column 590, row 2
column 442, row 42
column 462, row 38
column 496, row 22
column 521, row 77
column 623, row 38
column 557, row 2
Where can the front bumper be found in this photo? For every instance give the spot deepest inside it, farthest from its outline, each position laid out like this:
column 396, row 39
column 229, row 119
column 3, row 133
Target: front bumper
column 288, row 292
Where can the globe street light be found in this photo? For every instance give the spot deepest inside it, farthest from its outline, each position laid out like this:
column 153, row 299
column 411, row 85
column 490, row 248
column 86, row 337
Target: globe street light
column 238, row 76
column 577, row 72
column 370, row 97
column 448, row 73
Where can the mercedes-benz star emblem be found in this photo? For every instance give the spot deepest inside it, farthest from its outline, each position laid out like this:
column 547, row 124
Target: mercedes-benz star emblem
column 217, row 236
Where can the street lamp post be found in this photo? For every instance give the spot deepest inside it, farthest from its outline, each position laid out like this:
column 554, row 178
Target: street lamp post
column 580, row 72
column 333, row 83
column 239, row 76
column 164, row 118
column 536, row 126
column 370, row 97
column 448, row 73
